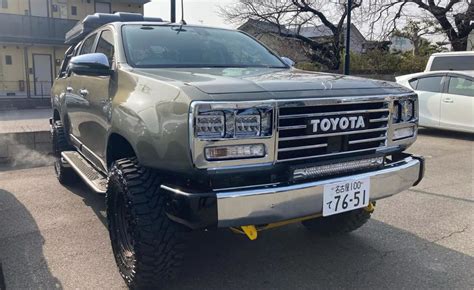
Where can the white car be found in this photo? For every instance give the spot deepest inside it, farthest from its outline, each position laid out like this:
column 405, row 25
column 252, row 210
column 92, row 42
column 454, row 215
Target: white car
column 453, row 60
column 446, row 98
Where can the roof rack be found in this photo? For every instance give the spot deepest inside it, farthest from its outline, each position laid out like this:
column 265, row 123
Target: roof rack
column 92, row 22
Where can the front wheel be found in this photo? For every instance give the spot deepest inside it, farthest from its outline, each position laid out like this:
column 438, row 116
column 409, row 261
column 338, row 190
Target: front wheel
column 148, row 246
column 339, row 224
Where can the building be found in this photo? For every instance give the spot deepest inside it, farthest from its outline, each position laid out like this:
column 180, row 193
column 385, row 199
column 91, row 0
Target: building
column 32, row 40
column 269, row 34
column 322, row 33
column 274, row 37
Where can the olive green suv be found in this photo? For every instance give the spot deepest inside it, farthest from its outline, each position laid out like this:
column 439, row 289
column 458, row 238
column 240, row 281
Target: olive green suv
column 191, row 128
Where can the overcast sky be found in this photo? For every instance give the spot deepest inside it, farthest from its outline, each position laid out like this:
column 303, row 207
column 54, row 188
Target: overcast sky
column 196, row 11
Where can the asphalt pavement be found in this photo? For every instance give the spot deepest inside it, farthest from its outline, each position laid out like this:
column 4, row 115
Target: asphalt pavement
column 55, row 237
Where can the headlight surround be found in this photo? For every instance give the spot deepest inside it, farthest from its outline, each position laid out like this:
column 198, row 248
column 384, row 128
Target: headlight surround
column 233, row 123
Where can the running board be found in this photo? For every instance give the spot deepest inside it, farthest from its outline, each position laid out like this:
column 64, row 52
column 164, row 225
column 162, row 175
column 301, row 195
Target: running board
column 96, row 180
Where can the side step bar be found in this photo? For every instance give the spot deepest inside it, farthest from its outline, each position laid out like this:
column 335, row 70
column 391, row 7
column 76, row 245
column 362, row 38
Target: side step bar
column 96, row 180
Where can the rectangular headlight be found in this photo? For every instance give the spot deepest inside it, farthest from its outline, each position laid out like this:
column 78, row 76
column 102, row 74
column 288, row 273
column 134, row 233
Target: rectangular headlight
column 210, row 125
column 228, row 123
column 235, row 152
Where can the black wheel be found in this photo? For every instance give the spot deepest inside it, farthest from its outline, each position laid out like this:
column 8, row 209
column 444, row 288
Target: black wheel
column 65, row 175
column 340, row 223
column 148, row 246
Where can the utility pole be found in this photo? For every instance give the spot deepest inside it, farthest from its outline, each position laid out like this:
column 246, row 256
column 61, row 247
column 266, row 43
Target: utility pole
column 173, row 11
column 347, row 60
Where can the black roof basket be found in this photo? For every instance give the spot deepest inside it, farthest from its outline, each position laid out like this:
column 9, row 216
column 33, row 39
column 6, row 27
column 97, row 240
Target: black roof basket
column 92, row 22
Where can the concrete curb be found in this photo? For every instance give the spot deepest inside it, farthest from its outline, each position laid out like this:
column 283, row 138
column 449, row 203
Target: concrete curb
column 26, row 148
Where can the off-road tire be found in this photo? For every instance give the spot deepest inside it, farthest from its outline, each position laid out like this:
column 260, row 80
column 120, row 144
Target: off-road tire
column 148, row 246
column 65, row 175
column 338, row 224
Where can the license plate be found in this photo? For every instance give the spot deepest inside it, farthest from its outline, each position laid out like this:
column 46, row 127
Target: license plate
column 345, row 196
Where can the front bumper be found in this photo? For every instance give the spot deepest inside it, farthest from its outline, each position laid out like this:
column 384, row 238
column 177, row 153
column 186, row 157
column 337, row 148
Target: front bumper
column 259, row 206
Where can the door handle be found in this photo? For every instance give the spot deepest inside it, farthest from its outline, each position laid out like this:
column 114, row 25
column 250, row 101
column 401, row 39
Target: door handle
column 448, row 100
column 69, row 89
column 83, row 92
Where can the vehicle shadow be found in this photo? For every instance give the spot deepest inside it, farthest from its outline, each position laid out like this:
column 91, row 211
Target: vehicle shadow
column 446, row 134
column 21, row 248
column 376, row 256
column 91, row 199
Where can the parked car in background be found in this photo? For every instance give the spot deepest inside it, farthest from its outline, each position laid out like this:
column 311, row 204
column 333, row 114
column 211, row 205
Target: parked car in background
column 456, row 61
column 446, row 98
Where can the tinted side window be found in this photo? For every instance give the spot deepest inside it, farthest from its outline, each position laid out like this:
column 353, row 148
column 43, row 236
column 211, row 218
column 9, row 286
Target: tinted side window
column 461, row 86
column 106, row 45
column 88, row 44
column 463, row 62
column 430, row 84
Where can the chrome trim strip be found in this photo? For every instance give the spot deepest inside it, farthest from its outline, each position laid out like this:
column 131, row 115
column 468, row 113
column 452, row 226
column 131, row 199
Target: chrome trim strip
column 367, row 140
column 273, row 204
column 296, row 116
column 332, row 134
column 330, row 154
column 303, row 147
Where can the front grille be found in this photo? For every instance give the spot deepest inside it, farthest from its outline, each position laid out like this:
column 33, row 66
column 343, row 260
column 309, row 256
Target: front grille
column 297, row 141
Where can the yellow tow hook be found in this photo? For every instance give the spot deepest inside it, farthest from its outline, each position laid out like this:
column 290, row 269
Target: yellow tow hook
column 370, row 207
column 250, row 231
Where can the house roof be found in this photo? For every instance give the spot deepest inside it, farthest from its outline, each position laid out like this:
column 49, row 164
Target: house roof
column 263, row 26
column 322, row 31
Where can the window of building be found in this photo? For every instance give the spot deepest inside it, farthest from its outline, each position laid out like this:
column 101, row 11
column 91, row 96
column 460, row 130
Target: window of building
column 430, row 84
column 8, row 60
column 73, row 10
column 461, row 86
column 106, row 45
column 4, row 3
column 88, row 44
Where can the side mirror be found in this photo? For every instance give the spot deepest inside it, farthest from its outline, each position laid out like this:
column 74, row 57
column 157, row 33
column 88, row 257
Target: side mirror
column 288, row 61
column 92, row 64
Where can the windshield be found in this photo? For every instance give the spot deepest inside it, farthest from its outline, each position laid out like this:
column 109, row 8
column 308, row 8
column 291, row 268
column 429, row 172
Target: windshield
column 175, row 46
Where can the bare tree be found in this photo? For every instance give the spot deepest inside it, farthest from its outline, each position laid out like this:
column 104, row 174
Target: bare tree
column 289, row 16
column 454, row 17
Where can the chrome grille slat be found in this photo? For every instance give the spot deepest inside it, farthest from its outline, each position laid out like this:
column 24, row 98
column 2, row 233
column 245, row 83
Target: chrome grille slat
column 311, row 115
column 378, row 120
column 293, row 127
column 333, row 134
column 367, row 140
column 296, row 143
column 303, row 147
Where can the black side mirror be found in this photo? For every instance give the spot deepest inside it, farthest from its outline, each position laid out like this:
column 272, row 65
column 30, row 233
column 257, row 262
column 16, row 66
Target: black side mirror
column 92, row 64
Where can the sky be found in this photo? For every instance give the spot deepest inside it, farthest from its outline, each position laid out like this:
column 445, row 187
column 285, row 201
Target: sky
column 195, row 11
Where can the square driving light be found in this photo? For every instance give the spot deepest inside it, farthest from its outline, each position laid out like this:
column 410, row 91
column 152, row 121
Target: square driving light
column 403, row 133
column 234, row 152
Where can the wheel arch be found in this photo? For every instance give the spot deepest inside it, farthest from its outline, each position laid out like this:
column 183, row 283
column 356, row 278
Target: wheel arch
column 118, row 147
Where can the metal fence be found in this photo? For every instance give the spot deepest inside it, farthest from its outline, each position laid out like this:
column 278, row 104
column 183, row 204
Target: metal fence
column 22, row 89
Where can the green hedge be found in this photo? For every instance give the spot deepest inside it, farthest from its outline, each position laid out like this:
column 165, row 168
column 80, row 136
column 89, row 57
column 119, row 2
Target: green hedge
column 377, row 62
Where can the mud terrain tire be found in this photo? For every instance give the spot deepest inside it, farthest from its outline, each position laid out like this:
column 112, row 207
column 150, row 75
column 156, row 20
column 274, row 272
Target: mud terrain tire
column 148, row 246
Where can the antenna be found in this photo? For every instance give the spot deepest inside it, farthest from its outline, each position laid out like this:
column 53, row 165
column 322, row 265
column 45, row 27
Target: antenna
column 183, row 22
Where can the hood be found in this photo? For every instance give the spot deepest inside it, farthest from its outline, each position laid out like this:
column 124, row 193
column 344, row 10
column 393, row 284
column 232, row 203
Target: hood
column 254, row 80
